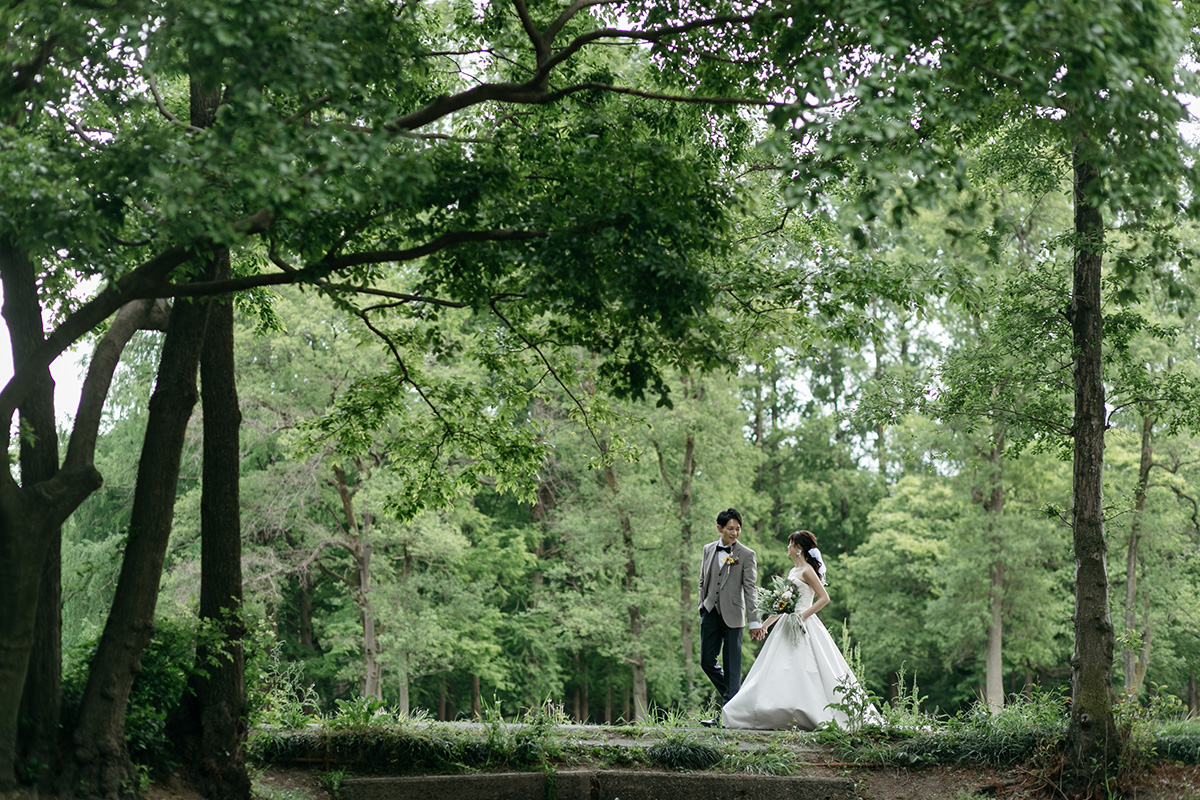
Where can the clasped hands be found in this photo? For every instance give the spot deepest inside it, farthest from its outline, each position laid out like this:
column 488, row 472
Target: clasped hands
column 758, row 634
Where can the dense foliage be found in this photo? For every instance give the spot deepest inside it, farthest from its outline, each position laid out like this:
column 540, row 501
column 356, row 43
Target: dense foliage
column 527, row 291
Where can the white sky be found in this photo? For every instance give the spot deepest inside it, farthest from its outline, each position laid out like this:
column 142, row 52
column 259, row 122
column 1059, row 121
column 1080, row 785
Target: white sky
column 68, row 371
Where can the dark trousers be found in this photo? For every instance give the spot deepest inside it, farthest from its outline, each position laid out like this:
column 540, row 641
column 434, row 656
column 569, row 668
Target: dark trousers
column 717, row 637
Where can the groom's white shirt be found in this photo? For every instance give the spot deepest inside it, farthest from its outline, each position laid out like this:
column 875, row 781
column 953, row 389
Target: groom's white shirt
column 734, row 593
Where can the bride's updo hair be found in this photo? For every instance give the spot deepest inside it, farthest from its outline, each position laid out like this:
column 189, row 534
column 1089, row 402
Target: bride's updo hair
column 806, row 541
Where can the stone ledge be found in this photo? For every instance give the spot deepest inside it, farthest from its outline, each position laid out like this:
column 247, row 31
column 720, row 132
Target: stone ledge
column 598, row 785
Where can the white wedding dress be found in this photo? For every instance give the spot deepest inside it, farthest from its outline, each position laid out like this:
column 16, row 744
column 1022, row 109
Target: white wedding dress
column 791, row 684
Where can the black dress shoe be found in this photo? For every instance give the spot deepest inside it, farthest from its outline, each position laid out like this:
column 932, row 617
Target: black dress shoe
column 710, row 723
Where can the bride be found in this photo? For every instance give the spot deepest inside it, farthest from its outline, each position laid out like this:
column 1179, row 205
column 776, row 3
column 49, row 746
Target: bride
column 800, row 674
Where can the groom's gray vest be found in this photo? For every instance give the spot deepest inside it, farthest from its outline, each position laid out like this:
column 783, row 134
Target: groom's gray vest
column 729, row 590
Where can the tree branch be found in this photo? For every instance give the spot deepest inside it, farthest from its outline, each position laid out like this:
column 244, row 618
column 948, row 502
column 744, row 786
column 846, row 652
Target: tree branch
column 311, row 274
column 533, row 91
column 162, row 108
column 142, row 282
column 133, row 316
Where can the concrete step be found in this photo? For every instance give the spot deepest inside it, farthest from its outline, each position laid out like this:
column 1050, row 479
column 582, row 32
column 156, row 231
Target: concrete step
column 597, row 785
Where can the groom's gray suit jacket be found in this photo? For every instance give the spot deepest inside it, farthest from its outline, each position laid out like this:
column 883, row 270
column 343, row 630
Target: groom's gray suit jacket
column 734, row 592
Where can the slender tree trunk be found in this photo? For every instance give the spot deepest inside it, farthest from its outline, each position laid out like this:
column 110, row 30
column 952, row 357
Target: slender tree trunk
column 213, row 718
column 1130, row 655
column 880, row 442
column 98, row 763
column 687, row 604
column 372, row 685
column 1092, row 741
column 476, row 698
column 403, row 702
column 683, row 497
column 41, row 699
column 360, row 550
column 995, row 643
column 636, row 656
column 304, row 589
column 995, row 650
column 1143, row 660
column 584, row 700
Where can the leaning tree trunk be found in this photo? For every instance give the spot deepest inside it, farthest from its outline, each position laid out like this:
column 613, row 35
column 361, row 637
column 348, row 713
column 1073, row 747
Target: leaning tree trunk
column 41, row 699
column 212, row 721
column 1093, row 747
column 98, row 763
column 29, row 514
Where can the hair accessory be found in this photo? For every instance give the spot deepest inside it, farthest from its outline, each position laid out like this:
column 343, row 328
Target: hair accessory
column 816, row 554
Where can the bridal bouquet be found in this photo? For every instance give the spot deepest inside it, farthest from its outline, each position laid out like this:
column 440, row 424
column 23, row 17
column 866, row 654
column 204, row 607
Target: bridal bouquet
column 781, row 599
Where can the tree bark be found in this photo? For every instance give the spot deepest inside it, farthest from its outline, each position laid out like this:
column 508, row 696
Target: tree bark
column 1133, row 683
column 403, row 700
column 683, row 497
column 1093, row 746
column 360, row 550
column 41, row 699
column 30, row 514
column 994, row 505
column 213, row 722
column 98, row 763
column 636, row 658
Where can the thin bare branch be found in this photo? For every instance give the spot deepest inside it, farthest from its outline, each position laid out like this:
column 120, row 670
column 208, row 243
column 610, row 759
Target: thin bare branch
column 546, row 361
column 569, row 13
column 162, row 108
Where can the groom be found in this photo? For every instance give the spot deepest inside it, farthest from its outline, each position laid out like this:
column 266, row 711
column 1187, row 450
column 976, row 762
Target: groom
column 728, row 574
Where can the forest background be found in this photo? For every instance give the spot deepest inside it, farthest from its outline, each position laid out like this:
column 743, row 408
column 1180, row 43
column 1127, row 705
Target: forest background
column 510, row 300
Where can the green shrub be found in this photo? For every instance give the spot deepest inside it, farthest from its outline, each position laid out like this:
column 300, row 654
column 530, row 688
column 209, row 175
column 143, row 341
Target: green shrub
column 168, row 663
column 1184, row 749
column 277, row 692
column 684, row 753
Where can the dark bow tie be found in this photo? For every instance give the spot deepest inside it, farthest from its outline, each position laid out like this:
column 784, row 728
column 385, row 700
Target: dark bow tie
column 725, row 548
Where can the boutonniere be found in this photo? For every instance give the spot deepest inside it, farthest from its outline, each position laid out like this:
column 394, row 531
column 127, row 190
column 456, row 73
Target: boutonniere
column 728, row 560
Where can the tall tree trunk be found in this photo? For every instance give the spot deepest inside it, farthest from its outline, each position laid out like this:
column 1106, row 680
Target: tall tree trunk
column 583, row 691
column 880, row 442
column 403, row 701
column 304, row 590
column 683, row 498
column 31, row 513
column 1092, row 741
column 98, row 759
column 994, row 669
column 41, row 699
column 360, row 550
column 1130, row 654
column 372, row 685
column 636, row 656
column 213, row 719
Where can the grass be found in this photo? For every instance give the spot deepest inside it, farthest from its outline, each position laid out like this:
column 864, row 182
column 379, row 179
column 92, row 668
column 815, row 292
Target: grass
column 367, row 737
